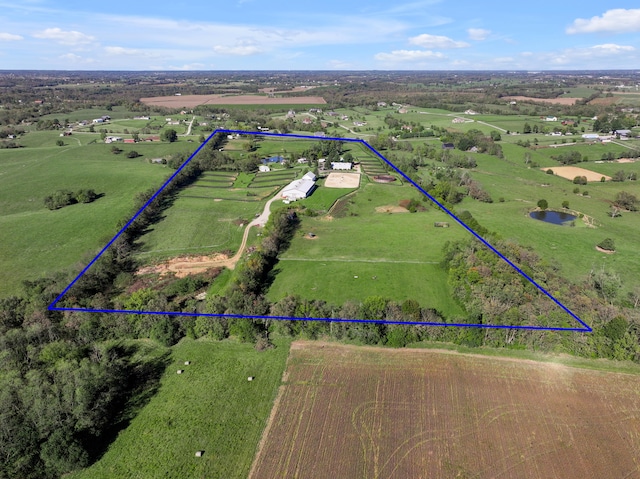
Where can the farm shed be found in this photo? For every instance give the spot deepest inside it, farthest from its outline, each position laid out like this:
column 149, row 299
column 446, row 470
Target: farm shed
column 341, row 165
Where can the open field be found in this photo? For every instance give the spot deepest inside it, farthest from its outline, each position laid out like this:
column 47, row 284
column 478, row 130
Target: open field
column 560, row 100
column 189, row 101
column 392, row 255
column 194, row 225
column 211, row 407
column 346, row 411
column 29, row 174
column 570, row 172
column 573, row 249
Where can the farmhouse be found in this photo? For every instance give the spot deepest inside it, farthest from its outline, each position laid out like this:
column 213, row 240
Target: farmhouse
column 448, row 146
column 591, row 136
column 112, row 139
column 341, row 165
column 299, row 189
column 623, row 133
column 551, row 118
column 97, row 120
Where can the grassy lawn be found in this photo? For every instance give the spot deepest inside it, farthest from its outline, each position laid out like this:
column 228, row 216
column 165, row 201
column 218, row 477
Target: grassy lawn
column 75, row 232
column 573, row 249
column 339, row 280
column 401, row 250
column 194, row 225
column 211, row 407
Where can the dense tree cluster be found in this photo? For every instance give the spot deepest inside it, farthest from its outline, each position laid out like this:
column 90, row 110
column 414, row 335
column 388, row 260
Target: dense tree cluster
column 62, row 198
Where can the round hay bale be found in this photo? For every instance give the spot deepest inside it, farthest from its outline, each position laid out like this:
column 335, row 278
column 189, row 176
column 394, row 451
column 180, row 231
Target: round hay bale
column 199, row 453
column 186, row 363
column 250, row 378
column 180, row 371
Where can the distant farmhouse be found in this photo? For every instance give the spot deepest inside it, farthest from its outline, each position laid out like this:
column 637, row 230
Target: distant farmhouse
column 299, row 189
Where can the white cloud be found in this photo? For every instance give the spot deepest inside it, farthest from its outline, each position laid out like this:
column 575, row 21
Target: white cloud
column 408, row 56
column 617, row 20
column 611, row 49
column 478, row 34
column 436, row 41
column 9, row 37
column 73, row 58
column 65, row 38
column 115, row 51
column 238, row 51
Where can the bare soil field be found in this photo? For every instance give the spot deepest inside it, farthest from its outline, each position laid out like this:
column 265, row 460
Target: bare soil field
column 348, row 411
column 342, row 180
column 186, row 265
column 570, row 172
column 189, row 101
column 558, row 101
column 391, row 209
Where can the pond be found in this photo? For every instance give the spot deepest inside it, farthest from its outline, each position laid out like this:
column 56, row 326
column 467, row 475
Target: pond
column 553, row 217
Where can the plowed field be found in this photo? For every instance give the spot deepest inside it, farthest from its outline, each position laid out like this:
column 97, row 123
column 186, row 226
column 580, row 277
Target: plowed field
column 346, row 411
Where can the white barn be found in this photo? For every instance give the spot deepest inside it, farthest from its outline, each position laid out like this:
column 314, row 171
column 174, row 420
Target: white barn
column 299, row 189
column 341, row 165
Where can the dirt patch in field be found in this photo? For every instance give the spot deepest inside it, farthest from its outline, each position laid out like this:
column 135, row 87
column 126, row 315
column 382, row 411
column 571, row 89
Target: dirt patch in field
column 570, row 172
column 605, row 101
column 558, row 101
column 183, row 266
column 625, row 160
column 342, row 180
column 190, row 101
column 391, row 209
column 602, row 250
column 347, row 411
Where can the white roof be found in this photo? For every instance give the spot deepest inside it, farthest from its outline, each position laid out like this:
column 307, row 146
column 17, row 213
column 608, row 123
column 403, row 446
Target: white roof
column 298, row 188
column 309, row 176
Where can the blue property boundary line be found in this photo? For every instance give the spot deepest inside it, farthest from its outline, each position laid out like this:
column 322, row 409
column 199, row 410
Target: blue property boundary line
column 584, row 328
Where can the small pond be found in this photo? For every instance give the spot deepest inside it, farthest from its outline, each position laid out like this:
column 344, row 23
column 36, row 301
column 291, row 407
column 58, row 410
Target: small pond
column 553, row 217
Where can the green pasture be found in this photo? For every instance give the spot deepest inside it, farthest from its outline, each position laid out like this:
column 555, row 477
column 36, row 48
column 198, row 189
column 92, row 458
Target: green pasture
column 117, row 112
column 401, row 249
column 198, row 225
column 211, row 407
column 572, row 248
column 338, row 281
column 323, row 198
column 35, row 241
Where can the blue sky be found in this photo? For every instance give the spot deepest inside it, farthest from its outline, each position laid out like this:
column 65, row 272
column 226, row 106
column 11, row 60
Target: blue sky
column 321, row 35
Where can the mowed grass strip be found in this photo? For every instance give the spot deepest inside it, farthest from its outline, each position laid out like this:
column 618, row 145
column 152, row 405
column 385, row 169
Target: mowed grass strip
column 211, row 407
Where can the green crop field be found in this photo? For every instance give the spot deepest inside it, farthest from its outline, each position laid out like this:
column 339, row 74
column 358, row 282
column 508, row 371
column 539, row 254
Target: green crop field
column 211, row 407
column 77, row 232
